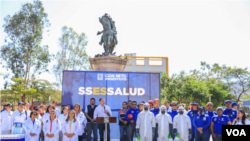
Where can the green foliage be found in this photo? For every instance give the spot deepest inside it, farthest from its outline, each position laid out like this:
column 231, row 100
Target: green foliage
column 23, row 51
column 72, row 54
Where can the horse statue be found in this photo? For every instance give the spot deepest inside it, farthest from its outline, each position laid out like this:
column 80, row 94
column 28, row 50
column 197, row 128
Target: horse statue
column 108, row 39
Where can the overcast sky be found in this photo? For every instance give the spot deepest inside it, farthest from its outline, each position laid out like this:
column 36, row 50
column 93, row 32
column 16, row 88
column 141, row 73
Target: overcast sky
column 187, row 32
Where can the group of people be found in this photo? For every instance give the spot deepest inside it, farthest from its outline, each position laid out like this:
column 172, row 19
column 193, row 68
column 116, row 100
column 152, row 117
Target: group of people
column 147, row 120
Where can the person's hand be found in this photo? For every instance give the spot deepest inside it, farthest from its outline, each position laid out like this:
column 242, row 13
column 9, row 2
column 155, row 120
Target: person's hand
column 32, row 134
column 213, row 134
column 125, row 122
column 132, row 121
column 92, row 120
column 52, row 135
column 47, row 135
column 83, row 124
column 67, row 135
column 10, row 131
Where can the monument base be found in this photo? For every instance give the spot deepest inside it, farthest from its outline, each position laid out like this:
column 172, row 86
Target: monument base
column 108, row 63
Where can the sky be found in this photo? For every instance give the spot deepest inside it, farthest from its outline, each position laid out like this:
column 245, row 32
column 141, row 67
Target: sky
column 187, row 32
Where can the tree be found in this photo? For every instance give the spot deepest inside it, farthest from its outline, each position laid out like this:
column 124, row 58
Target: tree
column 72, row 54
column 23, row 54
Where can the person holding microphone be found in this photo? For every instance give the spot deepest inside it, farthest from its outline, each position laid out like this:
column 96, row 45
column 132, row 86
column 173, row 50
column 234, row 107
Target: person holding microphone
column 5, row 120
column 70, row 127
column 52, row 127
column 103, row 111
column 32, row 127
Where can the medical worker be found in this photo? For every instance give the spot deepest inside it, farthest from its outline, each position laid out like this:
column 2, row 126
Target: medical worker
column 19, row 115
column 62, row 118
column 52, row 127
column 182, row 125
column 47, row 114
column 32, row 127
column 191, row 114
column 5, row 120
column 229, row 111
column 145, row 125
column 165, row 125
column 201, row 123
column 82, row 120
column 217, row 122
column 70, row 127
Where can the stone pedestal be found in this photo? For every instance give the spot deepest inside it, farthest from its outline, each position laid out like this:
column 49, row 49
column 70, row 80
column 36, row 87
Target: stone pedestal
column 108, row 63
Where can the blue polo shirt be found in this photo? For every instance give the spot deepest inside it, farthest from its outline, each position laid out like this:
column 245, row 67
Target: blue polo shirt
column 155, row 111
column 218, row 122
column 201, row 121
column 134, row 112
column 232, row 112
column 211, row 114
column 173, row 114
column 191, row 115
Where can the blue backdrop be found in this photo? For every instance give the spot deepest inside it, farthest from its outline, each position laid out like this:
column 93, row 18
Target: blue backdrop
column 115, row 87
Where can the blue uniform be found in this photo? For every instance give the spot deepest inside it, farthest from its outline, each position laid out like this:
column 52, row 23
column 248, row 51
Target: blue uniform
column 134, row 112
column 210, row 114
column 218, row 122
column 204, row 122
column 191, row 115
column 232, row 112
column 173, row 114
column 155, row 111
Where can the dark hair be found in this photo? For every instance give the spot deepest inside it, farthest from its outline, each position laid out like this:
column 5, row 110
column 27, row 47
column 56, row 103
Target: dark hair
column 142, row 101
column 69, row 106
column 124, row 102
column 243, row 117
column 80, row 109
column 129, row 101
column 101, row 99
column 41, row 106
column 92, row 99
column 37, row 108
column 67, row 119
column 54, row 102
column 134, row 102
column 47, row 110
column 32, row 112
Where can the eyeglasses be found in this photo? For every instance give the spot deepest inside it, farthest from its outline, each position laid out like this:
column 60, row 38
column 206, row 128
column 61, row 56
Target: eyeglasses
column 35, row 114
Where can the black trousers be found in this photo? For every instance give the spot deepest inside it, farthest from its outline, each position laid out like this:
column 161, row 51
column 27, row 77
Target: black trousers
column 80, row 138
column 101, row 127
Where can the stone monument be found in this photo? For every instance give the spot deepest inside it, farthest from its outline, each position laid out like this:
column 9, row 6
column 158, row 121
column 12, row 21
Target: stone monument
column 108, row 61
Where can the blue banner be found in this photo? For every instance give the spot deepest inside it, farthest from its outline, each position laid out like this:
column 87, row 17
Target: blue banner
column 114, row 87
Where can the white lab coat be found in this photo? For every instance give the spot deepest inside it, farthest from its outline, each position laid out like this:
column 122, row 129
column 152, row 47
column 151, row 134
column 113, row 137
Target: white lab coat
column 62, row 118
column 56, row 127
column 145, row 121
column 75, row 126
column 182, row 123
column 163, row 126
column 82, row 119
column 5, row 122
column 32, row 128
column 46, row 117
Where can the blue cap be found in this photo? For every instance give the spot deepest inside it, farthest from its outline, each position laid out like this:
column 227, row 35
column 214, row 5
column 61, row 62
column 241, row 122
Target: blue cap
column 195, row 103
column 219, row 108
column 9, row 104
column 202, row 108
column 227, row 101
column 234, row 104
column 20, row 103
column 5, row 105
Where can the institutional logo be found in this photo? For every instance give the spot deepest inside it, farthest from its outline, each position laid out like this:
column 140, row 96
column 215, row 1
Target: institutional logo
column 99, row 76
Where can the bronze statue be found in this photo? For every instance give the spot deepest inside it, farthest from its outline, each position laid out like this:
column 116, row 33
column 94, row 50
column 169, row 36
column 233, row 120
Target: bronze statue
column 108, row 39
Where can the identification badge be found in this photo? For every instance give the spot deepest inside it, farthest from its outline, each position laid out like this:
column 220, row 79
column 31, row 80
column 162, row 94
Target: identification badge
column 204, row 118
column 222, row 119
column 215, row 119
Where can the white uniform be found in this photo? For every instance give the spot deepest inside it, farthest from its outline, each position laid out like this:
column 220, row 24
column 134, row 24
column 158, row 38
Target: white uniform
column 32, row 128
column 46, row 117
column 19, row 117
column 163, row 126
column 145, row 122
column 239, row 122
column 56, row 127
column 82, row 119
column 182, row 123
column 5, row 122
column 58, row 113
column 75, row 126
